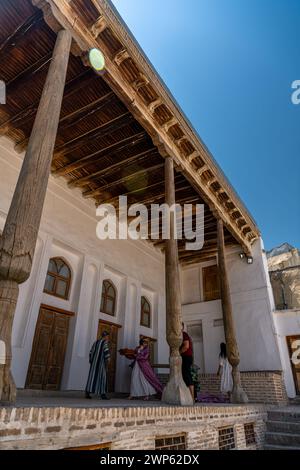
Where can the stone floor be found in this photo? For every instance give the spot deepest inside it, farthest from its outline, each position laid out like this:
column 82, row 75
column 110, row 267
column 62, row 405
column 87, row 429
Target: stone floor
column 76, row 399
column 73, row 402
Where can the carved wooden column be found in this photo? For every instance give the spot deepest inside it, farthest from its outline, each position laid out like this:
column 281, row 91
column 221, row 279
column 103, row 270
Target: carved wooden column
column 175, row 392
column 17, row 243
column 238, row 395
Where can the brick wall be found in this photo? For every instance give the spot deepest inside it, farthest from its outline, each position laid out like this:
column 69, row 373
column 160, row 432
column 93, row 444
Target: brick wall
column 126, row 428
column 261, row 387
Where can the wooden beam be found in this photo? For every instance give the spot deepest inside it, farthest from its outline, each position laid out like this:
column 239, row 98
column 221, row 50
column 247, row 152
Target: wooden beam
column 95, row 192
column 167, row 125
column 121, row 56
column 80, row 114
column 100, row 131
column 196, row 260
column 139, row 82
column 99, row 26
column 104, row 172
column 157, row 198
column 83, row 112
column 144, row 189
column 201, row 170
column 154, row 104
column 211, row 181
column 31, row 23
column 29, row 112
column 192, row 156
column 102, row 153
column 27, row 74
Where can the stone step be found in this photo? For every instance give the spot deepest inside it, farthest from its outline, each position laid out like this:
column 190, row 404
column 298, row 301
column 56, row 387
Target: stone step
column 294, row 401
column 292, row 427
column 273, row 447
column 288, row 415
column 283, row 439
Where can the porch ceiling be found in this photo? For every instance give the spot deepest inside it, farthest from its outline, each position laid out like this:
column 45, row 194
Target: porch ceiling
column 100, row 148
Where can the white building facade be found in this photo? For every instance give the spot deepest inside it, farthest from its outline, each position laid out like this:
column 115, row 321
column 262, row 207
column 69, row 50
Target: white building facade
column 136, row 270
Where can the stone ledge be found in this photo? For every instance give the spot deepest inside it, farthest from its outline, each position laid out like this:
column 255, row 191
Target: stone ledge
column 62, row 427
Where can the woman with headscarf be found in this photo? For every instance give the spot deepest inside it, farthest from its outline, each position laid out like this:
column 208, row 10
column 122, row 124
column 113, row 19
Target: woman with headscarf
column 144, row 382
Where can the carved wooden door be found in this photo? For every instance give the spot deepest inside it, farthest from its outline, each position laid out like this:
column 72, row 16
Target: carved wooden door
column 48, row 350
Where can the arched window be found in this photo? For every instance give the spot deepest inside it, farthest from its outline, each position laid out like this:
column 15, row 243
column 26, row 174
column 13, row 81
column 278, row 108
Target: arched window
column 108, row 298
column 145, row 312
column 58, row 279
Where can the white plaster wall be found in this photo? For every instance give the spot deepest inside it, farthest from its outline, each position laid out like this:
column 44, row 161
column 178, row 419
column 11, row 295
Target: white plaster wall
column 252, row 309
column 287, row 323
column 68, row 229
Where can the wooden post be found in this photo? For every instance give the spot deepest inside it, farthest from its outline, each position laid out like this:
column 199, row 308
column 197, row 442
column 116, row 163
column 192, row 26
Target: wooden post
column 238, row 395
column 175, row 392
column 18, row 240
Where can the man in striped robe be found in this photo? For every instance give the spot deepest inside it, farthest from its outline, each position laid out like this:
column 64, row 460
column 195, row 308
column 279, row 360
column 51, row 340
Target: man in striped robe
column 99, row 357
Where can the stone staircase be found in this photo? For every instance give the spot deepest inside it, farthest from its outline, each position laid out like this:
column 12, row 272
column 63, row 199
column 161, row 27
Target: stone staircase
column 283, row 429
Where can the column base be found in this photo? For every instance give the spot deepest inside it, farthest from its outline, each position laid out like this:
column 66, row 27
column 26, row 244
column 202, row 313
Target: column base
column 8, row 391
column 238, row 395
column 176, row 392
column 8, row 299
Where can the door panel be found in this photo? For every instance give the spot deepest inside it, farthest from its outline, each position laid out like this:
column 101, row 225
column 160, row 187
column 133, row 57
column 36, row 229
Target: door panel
column 56, row 357
column 211, row 289
column 40, row 350
column 292, row 347
column 48, row 350
column 112, row 329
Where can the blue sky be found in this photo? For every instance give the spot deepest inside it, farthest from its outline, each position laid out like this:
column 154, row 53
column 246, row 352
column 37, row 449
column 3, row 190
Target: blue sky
column 230, row 65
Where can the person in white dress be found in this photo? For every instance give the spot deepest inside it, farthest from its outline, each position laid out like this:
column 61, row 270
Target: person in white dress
column 225, row 370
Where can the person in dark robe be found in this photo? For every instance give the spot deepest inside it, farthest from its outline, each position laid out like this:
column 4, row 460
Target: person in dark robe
column 99, row 357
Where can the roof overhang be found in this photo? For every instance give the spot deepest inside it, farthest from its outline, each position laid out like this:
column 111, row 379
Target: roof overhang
column 95, row 23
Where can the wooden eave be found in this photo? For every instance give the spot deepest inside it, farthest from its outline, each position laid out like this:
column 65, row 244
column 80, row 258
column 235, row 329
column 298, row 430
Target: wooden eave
column 116, row 129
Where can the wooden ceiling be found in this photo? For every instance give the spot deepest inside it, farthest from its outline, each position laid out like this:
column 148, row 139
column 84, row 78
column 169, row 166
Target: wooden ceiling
column 100, row 147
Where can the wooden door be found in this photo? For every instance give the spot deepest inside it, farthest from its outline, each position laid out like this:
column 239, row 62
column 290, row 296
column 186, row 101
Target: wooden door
column 211, row 283
column 112, row 329
column 48, row 350
column 293, row 343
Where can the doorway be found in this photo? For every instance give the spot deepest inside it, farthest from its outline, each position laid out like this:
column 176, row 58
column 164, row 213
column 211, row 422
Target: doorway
column 196, row 334
column 48, row 349
column 293, row 343
column 113, row 330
